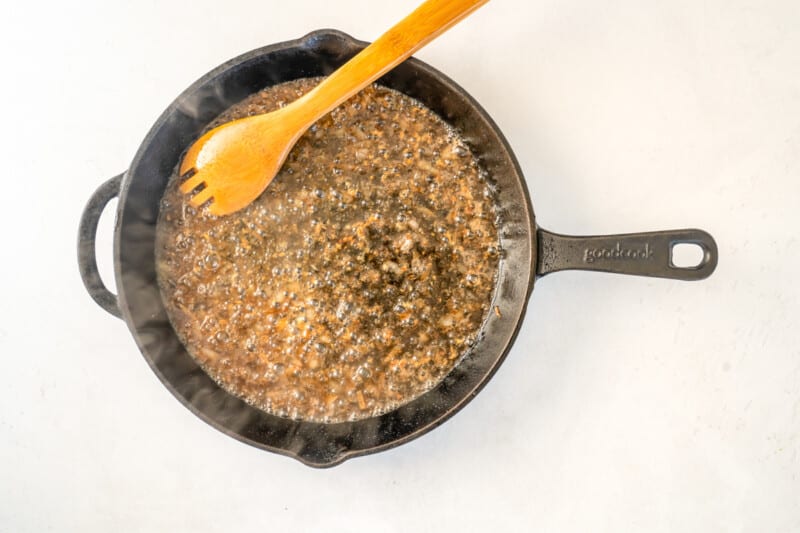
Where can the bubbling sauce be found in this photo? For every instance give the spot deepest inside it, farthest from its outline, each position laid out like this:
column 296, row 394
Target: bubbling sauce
column 356, row 281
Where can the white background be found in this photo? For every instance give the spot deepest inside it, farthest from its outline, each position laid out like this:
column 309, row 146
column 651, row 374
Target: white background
column 627, row 404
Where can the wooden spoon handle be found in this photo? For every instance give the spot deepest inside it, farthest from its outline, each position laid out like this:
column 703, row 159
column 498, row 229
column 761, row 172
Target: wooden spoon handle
column 424, row 24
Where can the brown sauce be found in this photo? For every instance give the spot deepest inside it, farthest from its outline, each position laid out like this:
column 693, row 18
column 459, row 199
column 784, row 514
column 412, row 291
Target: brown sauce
column 355, row 282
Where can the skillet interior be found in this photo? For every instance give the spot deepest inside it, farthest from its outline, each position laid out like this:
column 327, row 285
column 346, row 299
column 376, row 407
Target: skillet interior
column 319, row 53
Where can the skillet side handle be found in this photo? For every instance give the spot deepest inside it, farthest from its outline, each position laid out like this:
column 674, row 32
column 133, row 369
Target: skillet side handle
column 639, row 254
column 87, row 232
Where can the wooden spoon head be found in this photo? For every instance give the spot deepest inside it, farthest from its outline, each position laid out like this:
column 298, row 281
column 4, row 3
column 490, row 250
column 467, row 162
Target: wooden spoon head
column 235, row 162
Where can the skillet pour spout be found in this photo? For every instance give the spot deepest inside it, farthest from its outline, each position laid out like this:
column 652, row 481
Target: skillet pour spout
column 529, row 252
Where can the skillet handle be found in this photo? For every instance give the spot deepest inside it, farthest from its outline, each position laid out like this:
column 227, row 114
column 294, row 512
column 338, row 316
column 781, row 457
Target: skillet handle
column 639, row 254
column 87, row 232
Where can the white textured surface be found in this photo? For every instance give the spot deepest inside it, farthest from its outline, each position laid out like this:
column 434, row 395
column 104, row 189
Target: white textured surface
column 626, row 404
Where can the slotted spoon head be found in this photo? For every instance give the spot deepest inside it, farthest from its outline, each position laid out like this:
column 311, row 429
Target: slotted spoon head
column 233, row 163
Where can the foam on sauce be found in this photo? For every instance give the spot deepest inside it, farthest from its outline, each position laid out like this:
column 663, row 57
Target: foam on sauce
column 356, row 281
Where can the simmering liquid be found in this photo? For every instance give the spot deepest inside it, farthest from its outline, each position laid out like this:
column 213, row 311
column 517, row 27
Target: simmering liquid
column 356, row 281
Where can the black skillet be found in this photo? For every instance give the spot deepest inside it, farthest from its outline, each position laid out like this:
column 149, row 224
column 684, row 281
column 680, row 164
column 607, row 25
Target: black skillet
column 529, row 252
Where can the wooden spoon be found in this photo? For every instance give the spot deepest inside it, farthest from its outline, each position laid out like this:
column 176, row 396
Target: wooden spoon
column 237, row 160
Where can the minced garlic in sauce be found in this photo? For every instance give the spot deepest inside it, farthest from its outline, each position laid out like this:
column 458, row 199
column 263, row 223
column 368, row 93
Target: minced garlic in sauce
column 356, row 281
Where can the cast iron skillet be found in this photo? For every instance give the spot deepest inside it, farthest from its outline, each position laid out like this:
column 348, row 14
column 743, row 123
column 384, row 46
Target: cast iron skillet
column 529, row 252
